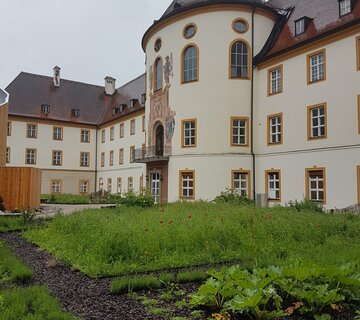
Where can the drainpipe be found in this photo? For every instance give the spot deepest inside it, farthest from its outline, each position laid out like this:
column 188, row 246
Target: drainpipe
column 252, row 103
column 96, row 158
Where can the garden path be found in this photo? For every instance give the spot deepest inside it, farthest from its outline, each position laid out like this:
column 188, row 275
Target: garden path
column 80, row 295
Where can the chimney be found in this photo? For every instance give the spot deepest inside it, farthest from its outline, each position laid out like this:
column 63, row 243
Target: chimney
column 110, row 86
column 56, row 78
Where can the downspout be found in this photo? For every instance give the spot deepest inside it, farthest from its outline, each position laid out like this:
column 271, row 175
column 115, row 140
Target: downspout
column 252, row 102
column 96, row 158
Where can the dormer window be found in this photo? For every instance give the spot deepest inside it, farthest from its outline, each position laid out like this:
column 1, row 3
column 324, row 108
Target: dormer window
column 132, row 103
column 75, row 113
column 45, row 109
column 301, row 25
column 122, row 107
column 143, row 99
column 115, row 110
column 345, row 7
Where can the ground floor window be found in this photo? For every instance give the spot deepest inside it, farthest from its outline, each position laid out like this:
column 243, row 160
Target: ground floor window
column 56, row 186
column 7, row 154
column 130, row 184
column 84, row 186
column 273, row 185
column 241, row 182
column 316, row 185
column 101, row 184
column 119, row 185
column 109, row 185
column 187, row 185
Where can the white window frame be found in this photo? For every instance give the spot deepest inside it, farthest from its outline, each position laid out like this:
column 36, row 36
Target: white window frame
column 31, row 131
column 317, row 180
column 345, row 7
column 239, row 131
column 57, row 158
column 317, row 67
column 30, row 156
column 187, row 184
column 189, row 133
column 275, row 129
column 273, row 185
column 85, row 136
column 320, row 119
column 132, row 127
column 299, row 27
column 58, row 133
column 55, row 186
column 119, row 185
column 275, row 81
column 7, row 155
column 241, row 183
column 84, row 159
column 84, row 186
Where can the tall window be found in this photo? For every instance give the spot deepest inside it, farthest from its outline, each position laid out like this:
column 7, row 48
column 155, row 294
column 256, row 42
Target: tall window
column 189, row 133
column 158, row 74
column 345, row 7
column 315, row 184
column 112, row 133
column 239, row 131
column 130, row 183
column 273, row 186
column 275, row 80
column 31, row 131
column 143, row 123
column 101, row 183
column 121, row 156
column 275, row 129
column 111, row 158
column 299, row 26
column 84, row 159
column 190, row 64
column 317, row 119
column 9, row 129
column 84, row 186
column 56, row 186
column 85, row 136
column 57, row 158
column 109, row 185
column 103, row 136
column 187, row 185
column 30, row 157
column 241, row 183
column 316, row 66
column 240, row 60
column 121, row 130
column 132, row 153
column 102, row 159
column 58, row 133
column 119, row 185
column 7, row 156
column 132, row 127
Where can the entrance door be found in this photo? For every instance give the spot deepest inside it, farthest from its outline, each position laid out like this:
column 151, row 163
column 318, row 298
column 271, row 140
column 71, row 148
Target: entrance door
column 155, row 186
column 160, row 141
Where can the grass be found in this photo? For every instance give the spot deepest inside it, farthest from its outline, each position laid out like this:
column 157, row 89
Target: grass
column 127, row 240
column 191, row 276
column 11, row 269
column 126, row 285
column 12, row 224
column 33, row 303
column 67, row 198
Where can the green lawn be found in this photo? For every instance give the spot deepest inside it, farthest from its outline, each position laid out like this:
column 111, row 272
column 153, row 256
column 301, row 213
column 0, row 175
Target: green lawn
column 11, row 269
column 67, row 198
column 126, row 240
column 33, row 303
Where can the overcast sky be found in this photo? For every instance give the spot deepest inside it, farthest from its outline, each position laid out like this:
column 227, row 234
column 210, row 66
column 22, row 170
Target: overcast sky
column 88, row 39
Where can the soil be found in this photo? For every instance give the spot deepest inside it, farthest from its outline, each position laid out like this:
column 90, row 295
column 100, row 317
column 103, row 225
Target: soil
column 80, row 295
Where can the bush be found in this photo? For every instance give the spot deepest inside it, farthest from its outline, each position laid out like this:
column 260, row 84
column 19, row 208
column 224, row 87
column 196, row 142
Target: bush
column 305, row 205
column 66, row 198
column 228, row 196
column 131, row 199
column 191, row 276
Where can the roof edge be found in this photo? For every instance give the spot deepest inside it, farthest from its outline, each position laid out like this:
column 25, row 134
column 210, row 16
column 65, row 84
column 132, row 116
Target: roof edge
column 4, row 97
column 200, row 5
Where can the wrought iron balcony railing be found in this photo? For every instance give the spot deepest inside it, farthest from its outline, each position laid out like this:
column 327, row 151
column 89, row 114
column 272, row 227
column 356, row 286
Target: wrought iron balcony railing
column 151, row 153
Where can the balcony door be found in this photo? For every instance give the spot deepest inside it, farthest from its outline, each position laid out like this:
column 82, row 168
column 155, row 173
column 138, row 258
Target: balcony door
column 155, row 185
column 159, row 140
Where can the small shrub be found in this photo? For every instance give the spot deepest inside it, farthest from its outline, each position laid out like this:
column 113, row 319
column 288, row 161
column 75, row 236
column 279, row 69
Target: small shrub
column 305, row 205
column 126, row 285
column 131, row 199
column 166, row 277
column 228, row 196
column 191, row 276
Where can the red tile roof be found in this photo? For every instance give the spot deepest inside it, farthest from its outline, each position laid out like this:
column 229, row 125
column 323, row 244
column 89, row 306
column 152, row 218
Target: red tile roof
column 325, row 15
column 28, row 92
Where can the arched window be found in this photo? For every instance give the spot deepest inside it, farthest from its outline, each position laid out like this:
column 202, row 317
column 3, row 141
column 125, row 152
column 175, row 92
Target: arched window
column 239, row 60
column 158, row 74
column 190, row 64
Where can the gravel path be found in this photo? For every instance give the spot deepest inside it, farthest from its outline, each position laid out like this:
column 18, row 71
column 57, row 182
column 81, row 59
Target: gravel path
column 80, row 295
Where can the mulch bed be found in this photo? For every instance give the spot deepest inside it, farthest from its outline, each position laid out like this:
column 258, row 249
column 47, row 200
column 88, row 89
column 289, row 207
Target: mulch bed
column 80, row 295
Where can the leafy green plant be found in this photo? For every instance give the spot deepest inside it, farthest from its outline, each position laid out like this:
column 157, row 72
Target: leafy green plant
column 131, row 199
column 191, row 276
column 64, row 198
column 265, row 293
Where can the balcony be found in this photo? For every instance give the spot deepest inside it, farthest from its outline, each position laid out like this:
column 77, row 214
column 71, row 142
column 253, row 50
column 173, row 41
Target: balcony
column 151, row 154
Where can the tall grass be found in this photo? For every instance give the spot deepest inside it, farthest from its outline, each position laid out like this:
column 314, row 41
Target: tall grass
column 11, row 269
column 33, row 303
column 11, row 224
column 126, row 240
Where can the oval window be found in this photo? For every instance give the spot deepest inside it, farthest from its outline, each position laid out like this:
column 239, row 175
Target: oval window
column 158, row 44
column 189, row 31
column 240, row 25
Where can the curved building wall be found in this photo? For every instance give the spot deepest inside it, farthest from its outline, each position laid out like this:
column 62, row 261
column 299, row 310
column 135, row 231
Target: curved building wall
column 212, row 100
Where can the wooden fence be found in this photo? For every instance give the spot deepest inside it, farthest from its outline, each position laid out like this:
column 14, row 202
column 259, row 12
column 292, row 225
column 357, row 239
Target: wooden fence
column 20, row 188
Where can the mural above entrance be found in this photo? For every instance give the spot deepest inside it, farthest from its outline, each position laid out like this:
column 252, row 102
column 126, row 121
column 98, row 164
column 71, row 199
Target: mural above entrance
column 160, row 111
